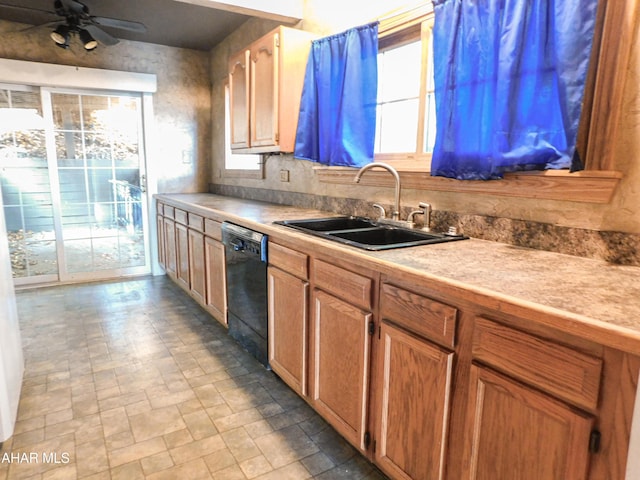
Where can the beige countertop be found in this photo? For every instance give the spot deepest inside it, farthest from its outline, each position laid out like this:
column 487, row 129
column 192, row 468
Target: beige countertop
column 597, row 299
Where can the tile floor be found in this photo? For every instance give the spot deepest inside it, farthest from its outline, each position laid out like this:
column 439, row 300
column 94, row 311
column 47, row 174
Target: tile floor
column 133, row 380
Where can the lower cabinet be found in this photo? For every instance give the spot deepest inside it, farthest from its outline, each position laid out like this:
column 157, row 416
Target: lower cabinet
column 340, row 365
column 342, row 327
column 215, row 282
column 518, row 432
column 169, row 233
column 288, row 290
column 413, row 385
column 182, row 255
column 196, row 265
column 288, row 299
column 162, row 255
column 529, row 407
column 191, row 251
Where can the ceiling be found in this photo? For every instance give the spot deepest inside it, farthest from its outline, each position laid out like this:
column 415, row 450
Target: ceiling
column 183, row 24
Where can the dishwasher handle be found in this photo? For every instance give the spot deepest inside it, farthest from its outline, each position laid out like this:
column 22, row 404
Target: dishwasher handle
column 238, row 244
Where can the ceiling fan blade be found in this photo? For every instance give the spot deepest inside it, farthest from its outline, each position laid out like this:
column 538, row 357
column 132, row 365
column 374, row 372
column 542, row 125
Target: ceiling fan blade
column 101, row 36
column 42, row 25
column 121, row 24
column 26, row 9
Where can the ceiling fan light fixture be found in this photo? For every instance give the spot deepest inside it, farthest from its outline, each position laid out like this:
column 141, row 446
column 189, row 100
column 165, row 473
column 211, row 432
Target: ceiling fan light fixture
column 87, row 40
column 61, row 35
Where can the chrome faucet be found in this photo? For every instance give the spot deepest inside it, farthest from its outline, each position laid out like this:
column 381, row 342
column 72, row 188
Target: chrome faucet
column 395, row 215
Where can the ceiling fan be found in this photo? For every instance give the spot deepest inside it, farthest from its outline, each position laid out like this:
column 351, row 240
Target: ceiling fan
column 76, row 20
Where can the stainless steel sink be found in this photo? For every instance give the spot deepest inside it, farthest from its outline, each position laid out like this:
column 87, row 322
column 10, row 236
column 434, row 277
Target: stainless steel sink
column 366, row 234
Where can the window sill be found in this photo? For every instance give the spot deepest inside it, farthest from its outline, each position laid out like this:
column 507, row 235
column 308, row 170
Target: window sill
column 587, row 186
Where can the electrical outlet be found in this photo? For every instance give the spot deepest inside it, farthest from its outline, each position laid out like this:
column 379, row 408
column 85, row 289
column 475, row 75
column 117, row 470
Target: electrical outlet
column 284, row 175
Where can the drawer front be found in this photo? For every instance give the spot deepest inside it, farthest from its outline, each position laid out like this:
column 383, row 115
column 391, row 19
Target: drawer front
column 169, row 212
column 352, row 287
column 196, row 222
column 561, row 371
column 213, row 229
column 289, row 260
column 159, row 208
column 181, row 216
column 426, row 317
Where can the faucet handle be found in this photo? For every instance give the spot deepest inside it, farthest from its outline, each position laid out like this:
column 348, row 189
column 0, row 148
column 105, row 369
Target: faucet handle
column 383, row 213
column 411, row 217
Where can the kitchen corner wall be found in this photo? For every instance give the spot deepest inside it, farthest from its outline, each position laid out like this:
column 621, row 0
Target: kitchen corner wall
column 179, row 156
column 620, row 219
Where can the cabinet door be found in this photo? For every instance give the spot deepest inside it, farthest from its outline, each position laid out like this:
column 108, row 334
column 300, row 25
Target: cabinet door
column 161, row 240
column 215, row 281
column 169, row 232
column 239, row 99
column 197, row 265
column 413, row 406
column 288, row 297
column 264, row 91
column 340, row 365
column 522, row 434
column 182, row 256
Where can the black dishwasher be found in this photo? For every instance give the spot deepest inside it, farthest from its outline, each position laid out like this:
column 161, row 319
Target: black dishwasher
column 246, row 271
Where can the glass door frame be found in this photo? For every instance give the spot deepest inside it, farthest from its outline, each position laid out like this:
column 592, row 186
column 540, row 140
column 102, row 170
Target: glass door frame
column 99, row 81
column 64, row 274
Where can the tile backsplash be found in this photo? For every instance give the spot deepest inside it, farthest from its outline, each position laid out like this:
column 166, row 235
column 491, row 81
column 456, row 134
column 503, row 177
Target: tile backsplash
column 615, row 247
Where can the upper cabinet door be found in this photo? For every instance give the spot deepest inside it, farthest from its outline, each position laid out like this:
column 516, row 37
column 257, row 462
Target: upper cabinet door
column 265, row 83
column 264, row 90
column 239, row 99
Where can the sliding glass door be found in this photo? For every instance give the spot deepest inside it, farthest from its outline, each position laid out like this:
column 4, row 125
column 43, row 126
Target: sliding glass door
column 73, row 185
column 26, row 186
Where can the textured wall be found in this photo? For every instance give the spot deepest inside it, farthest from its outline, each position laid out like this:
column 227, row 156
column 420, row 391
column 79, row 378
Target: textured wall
column 180, row 153
column 622, row 215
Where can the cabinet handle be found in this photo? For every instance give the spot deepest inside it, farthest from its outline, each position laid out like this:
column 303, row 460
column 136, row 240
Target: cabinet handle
column 594, row 441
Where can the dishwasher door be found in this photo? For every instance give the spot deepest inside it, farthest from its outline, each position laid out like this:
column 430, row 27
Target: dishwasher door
column 246, row 272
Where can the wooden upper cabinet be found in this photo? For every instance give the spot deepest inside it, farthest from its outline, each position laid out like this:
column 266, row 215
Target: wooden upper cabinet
column 265, row 84
column 264, row 91
column 239, row 99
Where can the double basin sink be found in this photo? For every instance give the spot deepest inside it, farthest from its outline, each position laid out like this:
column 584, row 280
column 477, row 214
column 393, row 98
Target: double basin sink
column 366, row 234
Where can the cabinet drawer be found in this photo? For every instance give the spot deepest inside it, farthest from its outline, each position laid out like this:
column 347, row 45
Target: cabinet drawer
column 350, row 286
column 196, row 222
column 181, row 216
column 213, row 229
column 169, row 212
column 289, row 260
column 556, row 369
column 423, row 316
column 159, row 208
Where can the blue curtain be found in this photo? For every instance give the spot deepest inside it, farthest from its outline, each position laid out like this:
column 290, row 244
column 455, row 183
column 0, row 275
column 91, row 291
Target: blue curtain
column 338, row 106
column 509, row 79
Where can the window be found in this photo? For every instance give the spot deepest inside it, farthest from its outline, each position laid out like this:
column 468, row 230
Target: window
column 405, row 124
column 238, row 164
column 400, row 34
